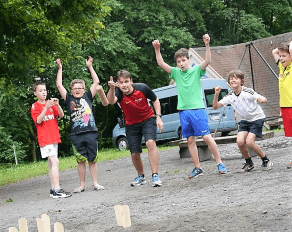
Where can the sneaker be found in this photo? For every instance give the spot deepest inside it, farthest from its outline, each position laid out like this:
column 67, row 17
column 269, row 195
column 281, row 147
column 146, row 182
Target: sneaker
column 267, row 165
column 156, row 180
column 51, row 192
column 138, row 180
column 196, row 172
column 61, row 194
column 247, row 167
column 290, row 164
column 221, row 168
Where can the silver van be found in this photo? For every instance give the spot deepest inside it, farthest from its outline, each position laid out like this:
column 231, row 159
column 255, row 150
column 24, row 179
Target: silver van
column 221, row 119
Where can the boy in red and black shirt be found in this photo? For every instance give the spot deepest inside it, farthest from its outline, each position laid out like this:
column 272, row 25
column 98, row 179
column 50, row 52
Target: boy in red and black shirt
column 140, row 121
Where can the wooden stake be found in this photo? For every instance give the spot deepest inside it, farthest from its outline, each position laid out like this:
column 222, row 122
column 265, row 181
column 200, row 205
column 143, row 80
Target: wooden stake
column 123, row 215
column 12, row 229
column 58, row 227
column 118, row 211
column 22, row 223
column 47, row 222
column 41, row 225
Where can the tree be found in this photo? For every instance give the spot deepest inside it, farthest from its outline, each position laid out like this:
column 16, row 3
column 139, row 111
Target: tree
column 33, row 34
column 36, row 32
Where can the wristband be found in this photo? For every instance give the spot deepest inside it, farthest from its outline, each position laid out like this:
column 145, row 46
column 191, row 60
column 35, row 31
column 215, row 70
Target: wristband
column 158, row 115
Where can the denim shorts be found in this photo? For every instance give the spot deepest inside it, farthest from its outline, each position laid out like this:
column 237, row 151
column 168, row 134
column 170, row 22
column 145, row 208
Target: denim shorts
column 255, row 127
column 135, row 133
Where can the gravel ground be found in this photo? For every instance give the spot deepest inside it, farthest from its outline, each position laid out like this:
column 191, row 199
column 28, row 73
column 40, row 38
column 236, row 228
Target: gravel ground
column 255, row 201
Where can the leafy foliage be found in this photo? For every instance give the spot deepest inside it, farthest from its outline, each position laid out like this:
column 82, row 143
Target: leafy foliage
column 118, row 35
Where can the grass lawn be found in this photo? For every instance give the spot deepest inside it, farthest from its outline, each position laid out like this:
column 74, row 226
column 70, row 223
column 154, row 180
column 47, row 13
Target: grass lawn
column 12, row 173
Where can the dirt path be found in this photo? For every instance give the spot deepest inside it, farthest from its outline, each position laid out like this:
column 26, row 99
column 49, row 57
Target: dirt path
column 255, row 201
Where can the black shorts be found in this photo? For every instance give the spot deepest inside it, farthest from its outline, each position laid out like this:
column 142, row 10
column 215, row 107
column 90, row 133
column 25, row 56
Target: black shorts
column 86, row 144
column 255, row 127
column 135, row 132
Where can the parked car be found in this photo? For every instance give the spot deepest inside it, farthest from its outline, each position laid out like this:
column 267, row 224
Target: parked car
column 170, row 116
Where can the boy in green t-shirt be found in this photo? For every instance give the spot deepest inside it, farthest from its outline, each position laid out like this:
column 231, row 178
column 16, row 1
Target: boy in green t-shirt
column 193, row 117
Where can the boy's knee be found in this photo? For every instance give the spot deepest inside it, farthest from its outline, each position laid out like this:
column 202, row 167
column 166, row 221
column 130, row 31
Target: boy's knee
column 53, row 160
column 240, row 142
column 150, row 143
column 250, row 142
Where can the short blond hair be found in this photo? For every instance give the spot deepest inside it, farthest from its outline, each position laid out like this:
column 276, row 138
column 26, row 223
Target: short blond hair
column 77, row 81
column 36, row 84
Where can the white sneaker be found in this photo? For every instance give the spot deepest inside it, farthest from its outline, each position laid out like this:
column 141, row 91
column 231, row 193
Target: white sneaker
column 266, row 166
column 156, row 180
column 138, row 180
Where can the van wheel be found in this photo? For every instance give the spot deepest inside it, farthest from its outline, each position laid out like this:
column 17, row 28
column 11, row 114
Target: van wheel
column 123, row 144
column 225, row 133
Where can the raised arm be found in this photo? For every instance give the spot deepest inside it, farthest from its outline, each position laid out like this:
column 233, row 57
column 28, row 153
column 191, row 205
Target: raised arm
column 157, row 108
column 216, row 104
column 112, row 99
column 102, row 96
column 94, row 76
column 159, row 59
column 275, row 54
column 59, row 83
column 207, row 61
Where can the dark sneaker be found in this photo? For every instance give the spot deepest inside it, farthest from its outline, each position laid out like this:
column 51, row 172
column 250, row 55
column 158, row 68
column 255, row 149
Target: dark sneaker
column 267, row 165
column 221, row 168
column 61, row 194
column 290, row 165
column 51, row 192
column 156, row 180
column 196, row 172
column 138, row 180
column 247, row 167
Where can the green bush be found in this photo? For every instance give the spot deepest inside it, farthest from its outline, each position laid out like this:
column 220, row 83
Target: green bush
column 7, row 147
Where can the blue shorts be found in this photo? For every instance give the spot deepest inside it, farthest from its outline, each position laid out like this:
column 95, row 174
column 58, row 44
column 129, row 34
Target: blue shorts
column 194, row 122
column 255, row 127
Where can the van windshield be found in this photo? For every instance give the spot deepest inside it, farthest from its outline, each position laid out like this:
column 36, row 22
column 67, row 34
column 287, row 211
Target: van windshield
column 209, row 93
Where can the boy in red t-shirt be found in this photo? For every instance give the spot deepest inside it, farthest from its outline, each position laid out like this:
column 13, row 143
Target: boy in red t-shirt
column 44, row 114
column 140, row 121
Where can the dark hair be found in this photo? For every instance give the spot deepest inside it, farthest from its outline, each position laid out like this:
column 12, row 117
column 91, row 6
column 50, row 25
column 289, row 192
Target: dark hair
column 36, row 84
column 123, row 73
column 284, row 47
column 181, row 52
column 236, row 73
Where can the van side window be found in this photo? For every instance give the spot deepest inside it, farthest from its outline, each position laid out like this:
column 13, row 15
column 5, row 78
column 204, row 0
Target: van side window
column 165, row 109
column 209, row 94
column 168, row 105
column 173, row 104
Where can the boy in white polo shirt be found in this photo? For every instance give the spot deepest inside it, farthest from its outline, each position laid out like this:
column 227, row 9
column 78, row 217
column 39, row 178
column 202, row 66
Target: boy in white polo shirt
column 244, row 101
